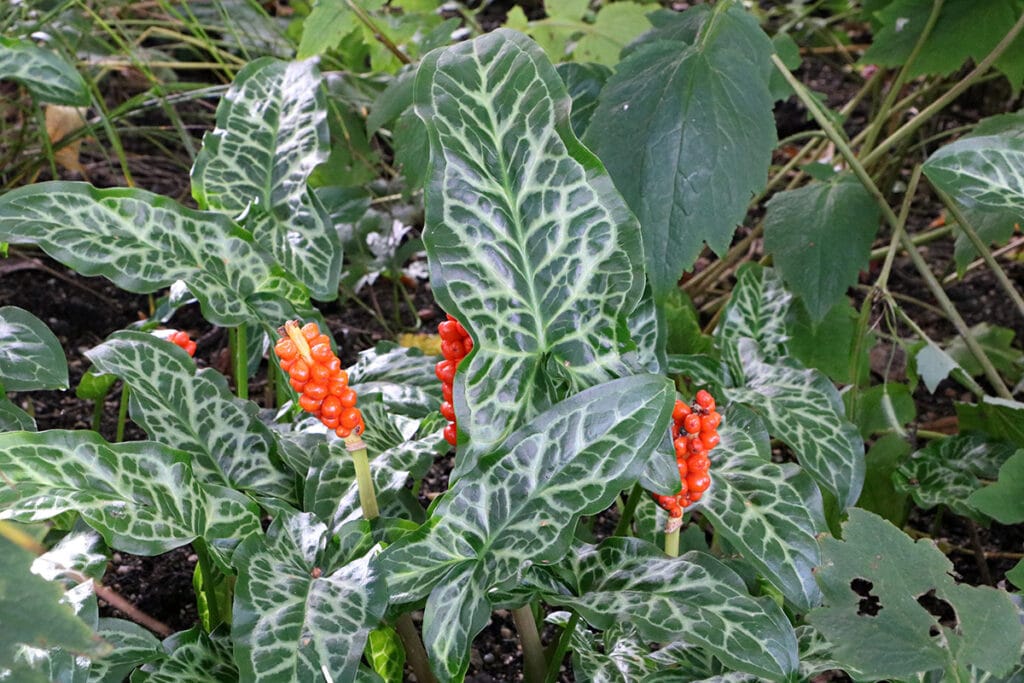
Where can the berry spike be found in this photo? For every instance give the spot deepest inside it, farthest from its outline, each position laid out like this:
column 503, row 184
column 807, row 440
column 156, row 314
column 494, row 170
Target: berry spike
column 694, row 435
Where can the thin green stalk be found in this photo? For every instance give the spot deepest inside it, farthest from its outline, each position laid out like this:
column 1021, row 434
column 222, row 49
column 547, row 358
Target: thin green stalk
column 885, row 110
column 535, row 667
column 364, row 479
column 919, row 239
column 626, row 518
column 44, row 136
column 97, row 415
column 206, row 569
column 942, row 102
column 555, row 662
column 122, row 414
column 672, row 542
column 239, row 359
column 983, row 250
column 930, row 280
column 415, row 653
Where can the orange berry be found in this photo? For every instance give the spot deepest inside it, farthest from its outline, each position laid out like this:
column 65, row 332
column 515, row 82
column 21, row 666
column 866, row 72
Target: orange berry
column 691, row 423
column 329, row 422
column 698, row 482
column 680, row 411
column 310, row 331
column 350, row 418
column 705, row 400
column 709, row 439
column 286, row 349
column 348, row 398
column 300, row 371
column 343, row 432
column 710, row 422
column 338, row 385
column 451, row 434
column 317, row 392
column 695, row 446
column 698, row 464
column 448, row 410
column 321, row 353
column 310, row 404
column 330, row 409
column 320, row 374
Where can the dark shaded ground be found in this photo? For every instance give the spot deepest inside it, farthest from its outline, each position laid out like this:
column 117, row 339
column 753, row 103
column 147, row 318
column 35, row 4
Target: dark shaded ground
column 83, row 311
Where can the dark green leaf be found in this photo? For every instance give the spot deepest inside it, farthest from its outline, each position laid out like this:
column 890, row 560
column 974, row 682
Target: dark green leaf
column 820, row 236
column 999, row 418
column 698, row 118
column 1002, row 500
column 880, row 495
column 997, row 343
column 31, row 357
column 530, row 246
column 883, row 407
column 828, row 345
column 872, row 581
column 326, row 25
column 947, row 471
column 584, row 83
column 46, row 75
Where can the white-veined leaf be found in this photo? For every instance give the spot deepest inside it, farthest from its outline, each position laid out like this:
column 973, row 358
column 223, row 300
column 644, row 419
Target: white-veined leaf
column 757, row 310
column 30, row 355
column 132, row 647
column 522, row 505
column 143, row 242
column 141, row 495
column 192, row 656
column 771, row 513
column 693, row 598
column 46, row 75
column 530, row 246
column 194, row 409
column 803, row 408
column 271, row 133
column 13, row 418
column 295, row 616
column 986, row 171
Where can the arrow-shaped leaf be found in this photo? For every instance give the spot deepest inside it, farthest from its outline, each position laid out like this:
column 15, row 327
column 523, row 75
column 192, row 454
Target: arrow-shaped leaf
column 271, row 133
column 693, row 598
column 141, row 495
column 143, row 242
column 522, row 505
column 46, row 75
column 295, row 618
column 194, row 409
column 529, row 244
column 757, row 310
column 771, row 513
column 803, row 408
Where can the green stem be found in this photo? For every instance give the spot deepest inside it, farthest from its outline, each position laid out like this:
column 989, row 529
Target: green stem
column 925, row 114
column 239, row 359
column 364, row 478
column 918, row 239
column 555, row 663
column 97, row 415
column 622, row 528
column 934, row 286
column 885, row 110
column 986, row 254
column 672, row 543
column 415, row 653
column 206, row 569
column 122, row 414
column 534, row 666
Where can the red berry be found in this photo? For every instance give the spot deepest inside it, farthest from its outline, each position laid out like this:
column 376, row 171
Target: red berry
column 319, row 373
column 692, row 423
column 452, row 350
column 350, row 418
column 446, row 391
column 695, row 446
column 680, row 411
column 698, row 464
column 445, row 371
column 317, row 392
column 330, row 409
column 451, row 434
column 347, row 398
column 698, row 482
column 705, row 400
column 710, row 422
column 709, row 439
column 300, row 371
column 310, row 404
column 321, row 353
column 448, row 331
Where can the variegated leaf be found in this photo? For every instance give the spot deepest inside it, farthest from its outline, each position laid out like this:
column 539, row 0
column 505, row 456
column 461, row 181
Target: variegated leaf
column 402, row 377
column 13, row 418
column 271, row 133
column 620, row 655
column 522, row 505
column 757, row 310
column 63, row 665
column 46, row 75
column 803, row 408
column 770, row 513
column 192, row 656
column 295, row 617
column 331, row 491
column 530, row 246
column 143, row 242
column 141, row 496
column 30, row 355
column 132, row 645
column 194, row 409
column 947, row 471
column 987, row 171
column 694, row 598
column 456, row 611
column 79, row 552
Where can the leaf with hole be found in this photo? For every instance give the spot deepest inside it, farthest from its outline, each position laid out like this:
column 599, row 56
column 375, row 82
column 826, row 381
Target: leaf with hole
column 698, row 118
column 893, row 610
column 271, row 133
column 530, row 246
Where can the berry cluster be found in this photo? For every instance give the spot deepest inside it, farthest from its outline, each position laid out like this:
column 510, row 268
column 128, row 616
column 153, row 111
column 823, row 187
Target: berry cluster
column 694, row 433
column 183, row 340
column 455, row 345
column 316, row 374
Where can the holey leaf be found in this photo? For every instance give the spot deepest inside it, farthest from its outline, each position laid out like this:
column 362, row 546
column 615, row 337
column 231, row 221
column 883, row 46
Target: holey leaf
column 986, row 171
column 46, row 75
column 141, row 496
column 893, row 610
column 296, row 617
column 771, row 513
column 31, row 357
column 803, row 409
column 194, row 409
column 820, row 237
column 686, row 130
column 694, row 598
column 271, row 132
column 530, row 246
column 521, row 507
column 143, row 242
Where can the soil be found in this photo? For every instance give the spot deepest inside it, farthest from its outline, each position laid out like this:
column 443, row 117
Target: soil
column 83, row 311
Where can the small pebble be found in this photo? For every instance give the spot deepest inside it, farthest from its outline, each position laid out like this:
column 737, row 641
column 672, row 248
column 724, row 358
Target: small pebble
column 117, row 558
column 489, row 658
column 506, row 633
column 193, row 558
column 124, row 569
